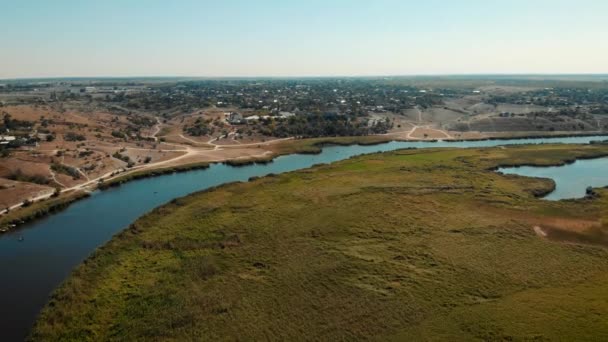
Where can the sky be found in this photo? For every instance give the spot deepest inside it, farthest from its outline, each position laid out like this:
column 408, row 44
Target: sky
column 248, row 38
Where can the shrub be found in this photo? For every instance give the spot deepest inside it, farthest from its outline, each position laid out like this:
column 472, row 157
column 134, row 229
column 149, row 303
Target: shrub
column 71, row 136
column 19, row 176
column 122, row 157
column 84, row 153
column 66, row 170
column 118, row 134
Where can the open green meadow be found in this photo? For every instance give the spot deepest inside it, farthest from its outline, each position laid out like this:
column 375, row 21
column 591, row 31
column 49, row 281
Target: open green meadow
column 405, row 245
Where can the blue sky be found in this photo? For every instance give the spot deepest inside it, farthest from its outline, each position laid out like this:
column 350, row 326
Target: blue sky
column 300, row 38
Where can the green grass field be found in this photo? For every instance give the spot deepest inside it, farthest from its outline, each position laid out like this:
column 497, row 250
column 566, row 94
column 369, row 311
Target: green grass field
column 404, row 245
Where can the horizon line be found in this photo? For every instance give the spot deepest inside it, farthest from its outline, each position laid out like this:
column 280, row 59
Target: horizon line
column 300, row 76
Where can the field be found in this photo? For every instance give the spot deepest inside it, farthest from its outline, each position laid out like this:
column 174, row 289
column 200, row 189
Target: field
column 403, row 245
column 65, row 163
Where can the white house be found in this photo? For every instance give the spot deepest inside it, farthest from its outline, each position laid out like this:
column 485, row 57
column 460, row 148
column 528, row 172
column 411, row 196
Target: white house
column 6, row 139
column 234, row 118
column 285, row 115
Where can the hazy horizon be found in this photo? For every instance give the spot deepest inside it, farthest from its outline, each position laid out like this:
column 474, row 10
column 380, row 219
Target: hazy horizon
column 575, row 76
column 240, row 39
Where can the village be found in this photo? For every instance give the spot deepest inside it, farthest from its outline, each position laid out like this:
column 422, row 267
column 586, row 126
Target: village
column 65, row 135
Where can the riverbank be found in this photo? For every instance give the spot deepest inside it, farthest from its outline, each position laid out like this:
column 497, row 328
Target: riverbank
column 400, row 243
column 43, row 252
column 573, row 179
column 39, row 209
column 121, row 179
column 43, row 205
column 280, row 148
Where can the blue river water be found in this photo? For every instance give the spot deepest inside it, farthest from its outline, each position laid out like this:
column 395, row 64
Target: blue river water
column 38, row 256
column 572, row 180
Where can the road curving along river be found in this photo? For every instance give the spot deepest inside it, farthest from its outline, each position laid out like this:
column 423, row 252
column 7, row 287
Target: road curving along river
column 38, row 256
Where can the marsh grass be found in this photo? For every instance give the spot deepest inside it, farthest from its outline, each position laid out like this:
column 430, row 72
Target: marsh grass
column 403, row 245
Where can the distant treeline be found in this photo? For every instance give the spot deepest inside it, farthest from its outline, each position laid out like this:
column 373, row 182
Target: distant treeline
column 322, row 125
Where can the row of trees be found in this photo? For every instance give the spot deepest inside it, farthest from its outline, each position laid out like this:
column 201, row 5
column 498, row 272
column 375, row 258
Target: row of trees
column 321, row 125
column 199, row 128
column 8, row 123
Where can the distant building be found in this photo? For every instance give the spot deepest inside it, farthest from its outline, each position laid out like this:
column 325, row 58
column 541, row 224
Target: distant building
column 234, row 118
column 41, row 136
column 6, row 139
column 373, row 121
column 286, row 115
column 379, row 109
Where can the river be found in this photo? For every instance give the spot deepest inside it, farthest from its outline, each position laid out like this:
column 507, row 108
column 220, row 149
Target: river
column 571, row 181
column 38, row 256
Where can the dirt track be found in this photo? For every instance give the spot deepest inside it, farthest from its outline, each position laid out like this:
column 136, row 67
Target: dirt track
column 190, row 155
